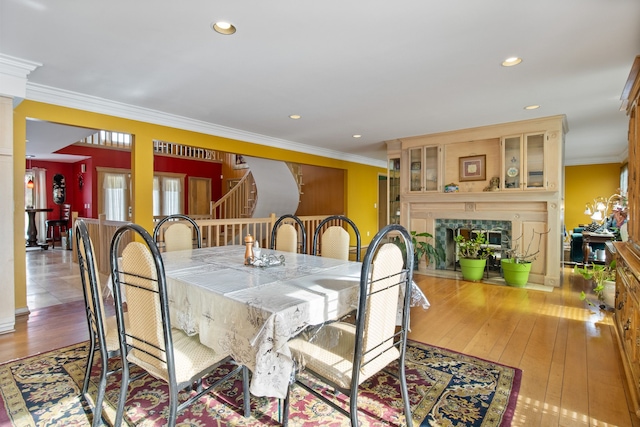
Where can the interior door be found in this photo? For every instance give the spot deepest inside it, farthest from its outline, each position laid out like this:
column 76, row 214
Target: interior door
column 199, row 196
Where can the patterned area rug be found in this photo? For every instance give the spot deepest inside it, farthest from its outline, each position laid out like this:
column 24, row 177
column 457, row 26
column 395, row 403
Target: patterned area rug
column 446, row 389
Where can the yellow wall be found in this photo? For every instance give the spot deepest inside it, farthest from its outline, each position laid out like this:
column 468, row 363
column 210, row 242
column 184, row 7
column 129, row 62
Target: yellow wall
column 362, row 180
column 583, row 184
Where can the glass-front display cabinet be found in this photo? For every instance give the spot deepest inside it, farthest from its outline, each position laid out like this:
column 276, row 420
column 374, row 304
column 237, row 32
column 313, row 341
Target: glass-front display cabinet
column 393, row 188
column 523, row 160
column 423, row 169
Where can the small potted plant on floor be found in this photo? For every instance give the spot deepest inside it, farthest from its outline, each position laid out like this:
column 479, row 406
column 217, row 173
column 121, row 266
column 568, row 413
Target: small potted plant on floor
column 473, row 253
column 423, row 248
column 517, row 266
column 604, row 282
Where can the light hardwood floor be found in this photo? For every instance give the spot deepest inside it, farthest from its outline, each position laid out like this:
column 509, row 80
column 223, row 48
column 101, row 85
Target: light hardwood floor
column 567, row 350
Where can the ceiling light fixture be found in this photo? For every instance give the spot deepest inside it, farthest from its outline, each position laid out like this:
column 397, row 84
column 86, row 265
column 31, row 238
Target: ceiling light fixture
column 357, row 136
column 532, row 107
column 510, row 62
column 295, row 116
column 223, row 28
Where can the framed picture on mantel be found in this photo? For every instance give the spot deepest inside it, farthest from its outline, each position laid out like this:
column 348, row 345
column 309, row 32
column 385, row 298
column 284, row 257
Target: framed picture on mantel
column 472, row 168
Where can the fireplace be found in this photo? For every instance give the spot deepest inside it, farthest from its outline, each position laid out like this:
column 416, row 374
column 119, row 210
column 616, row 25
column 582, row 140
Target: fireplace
column 498, row 235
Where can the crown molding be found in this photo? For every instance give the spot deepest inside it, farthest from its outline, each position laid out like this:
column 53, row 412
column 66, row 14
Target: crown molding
column 65, row 98
column 13, row 75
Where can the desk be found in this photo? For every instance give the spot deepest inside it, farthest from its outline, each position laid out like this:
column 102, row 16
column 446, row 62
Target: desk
column 32, row 231
column 251, row 312
column 589, row 237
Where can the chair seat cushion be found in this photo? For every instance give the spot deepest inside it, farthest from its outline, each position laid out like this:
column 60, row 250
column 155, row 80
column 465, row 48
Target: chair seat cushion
column 329, row 353
column 192, row 359
column 56, row 222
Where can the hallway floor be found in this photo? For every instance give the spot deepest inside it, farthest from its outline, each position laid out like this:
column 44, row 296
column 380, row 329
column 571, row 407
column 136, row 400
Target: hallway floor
column 52, row 278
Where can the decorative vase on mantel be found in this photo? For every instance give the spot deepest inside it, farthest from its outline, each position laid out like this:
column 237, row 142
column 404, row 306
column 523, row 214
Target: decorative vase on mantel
column 515, row 273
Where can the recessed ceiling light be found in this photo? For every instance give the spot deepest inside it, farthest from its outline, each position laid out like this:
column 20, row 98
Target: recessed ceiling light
column 357, row 136
column 295, row 116
column 531, row 107
column 510, row 62
column 223, row 28
column 30, row 156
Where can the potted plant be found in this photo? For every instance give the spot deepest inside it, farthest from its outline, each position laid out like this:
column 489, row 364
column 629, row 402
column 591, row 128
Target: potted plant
column 517, row 266
column 604, row 282
column 473, row 253
column 423, row 248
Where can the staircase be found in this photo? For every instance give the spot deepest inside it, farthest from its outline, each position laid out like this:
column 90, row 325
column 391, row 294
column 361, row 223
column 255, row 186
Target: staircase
column 277, row 183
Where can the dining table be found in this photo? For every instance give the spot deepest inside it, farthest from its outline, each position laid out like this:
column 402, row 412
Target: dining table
column 251, row 312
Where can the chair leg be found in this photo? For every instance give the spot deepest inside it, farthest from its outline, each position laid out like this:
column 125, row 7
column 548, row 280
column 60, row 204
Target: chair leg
column 285, row 409
column 102, row 386
column 124, row 388
column 173, row 405
column 87, row 373
column 245, row 390
column 405, row 395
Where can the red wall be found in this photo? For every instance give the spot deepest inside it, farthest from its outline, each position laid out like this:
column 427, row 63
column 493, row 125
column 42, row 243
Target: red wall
column 82, row 200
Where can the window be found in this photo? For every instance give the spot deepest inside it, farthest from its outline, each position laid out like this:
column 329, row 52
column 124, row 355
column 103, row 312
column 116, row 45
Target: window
column 167, row 194
column 115, row 196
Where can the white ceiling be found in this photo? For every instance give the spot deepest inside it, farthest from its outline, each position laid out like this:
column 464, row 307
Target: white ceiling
column 381, row 69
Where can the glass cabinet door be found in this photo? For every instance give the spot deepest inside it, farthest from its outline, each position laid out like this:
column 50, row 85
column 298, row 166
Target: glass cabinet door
column 415, row 171
column 431, row 168
column 393, row 184
column 535, row 178
column 512, row 158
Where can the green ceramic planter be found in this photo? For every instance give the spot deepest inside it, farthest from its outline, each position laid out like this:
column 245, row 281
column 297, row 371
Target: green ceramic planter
column 472, row 269
column 515, row 274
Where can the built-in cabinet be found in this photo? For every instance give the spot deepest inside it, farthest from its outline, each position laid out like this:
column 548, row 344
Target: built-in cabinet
column 523, row 162
column 627, row 306
column 627, row 316
column 516, row 178
column 393, row 191
column 423, row 169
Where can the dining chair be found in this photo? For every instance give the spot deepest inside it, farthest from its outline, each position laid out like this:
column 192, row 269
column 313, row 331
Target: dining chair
column 334, row 241
column 148, row 340
column 61, row 223
column 103, row 331
column 284, row 236
column 344, row 355
column 178, row 235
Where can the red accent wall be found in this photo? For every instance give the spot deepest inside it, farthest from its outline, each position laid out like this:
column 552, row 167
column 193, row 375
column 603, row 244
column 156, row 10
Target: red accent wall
column 82, row 200
column 53, row 168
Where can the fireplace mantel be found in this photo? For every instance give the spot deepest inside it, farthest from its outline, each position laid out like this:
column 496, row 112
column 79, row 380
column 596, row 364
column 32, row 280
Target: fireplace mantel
column 525, row 157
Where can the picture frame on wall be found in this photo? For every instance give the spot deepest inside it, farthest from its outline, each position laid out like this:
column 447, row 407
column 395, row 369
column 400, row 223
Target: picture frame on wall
column 239, row 162
column 473, row 168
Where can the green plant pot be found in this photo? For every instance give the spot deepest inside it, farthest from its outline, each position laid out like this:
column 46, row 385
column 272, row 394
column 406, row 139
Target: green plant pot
column 472, row 269
column 515, row 274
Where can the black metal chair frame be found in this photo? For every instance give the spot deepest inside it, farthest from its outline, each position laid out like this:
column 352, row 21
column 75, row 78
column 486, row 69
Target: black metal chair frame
column 178, row 217
column 400, row 338
column 128, row 341
column 336, row 218
column 302, row 231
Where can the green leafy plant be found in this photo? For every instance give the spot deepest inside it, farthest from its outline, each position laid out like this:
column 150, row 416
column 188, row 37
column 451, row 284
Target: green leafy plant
column 422, row 248
column 599, row 274
column 474, row 248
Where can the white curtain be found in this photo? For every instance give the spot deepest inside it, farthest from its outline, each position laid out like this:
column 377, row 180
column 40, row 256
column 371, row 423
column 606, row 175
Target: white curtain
column 171, row 196
column 39, row 201
column 156, row 196
column 115, row 186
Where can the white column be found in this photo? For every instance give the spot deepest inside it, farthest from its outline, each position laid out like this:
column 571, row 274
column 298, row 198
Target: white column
column 13, row 85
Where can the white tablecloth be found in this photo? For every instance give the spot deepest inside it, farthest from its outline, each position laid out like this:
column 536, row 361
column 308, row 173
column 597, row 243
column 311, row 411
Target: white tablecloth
column 252, row 312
